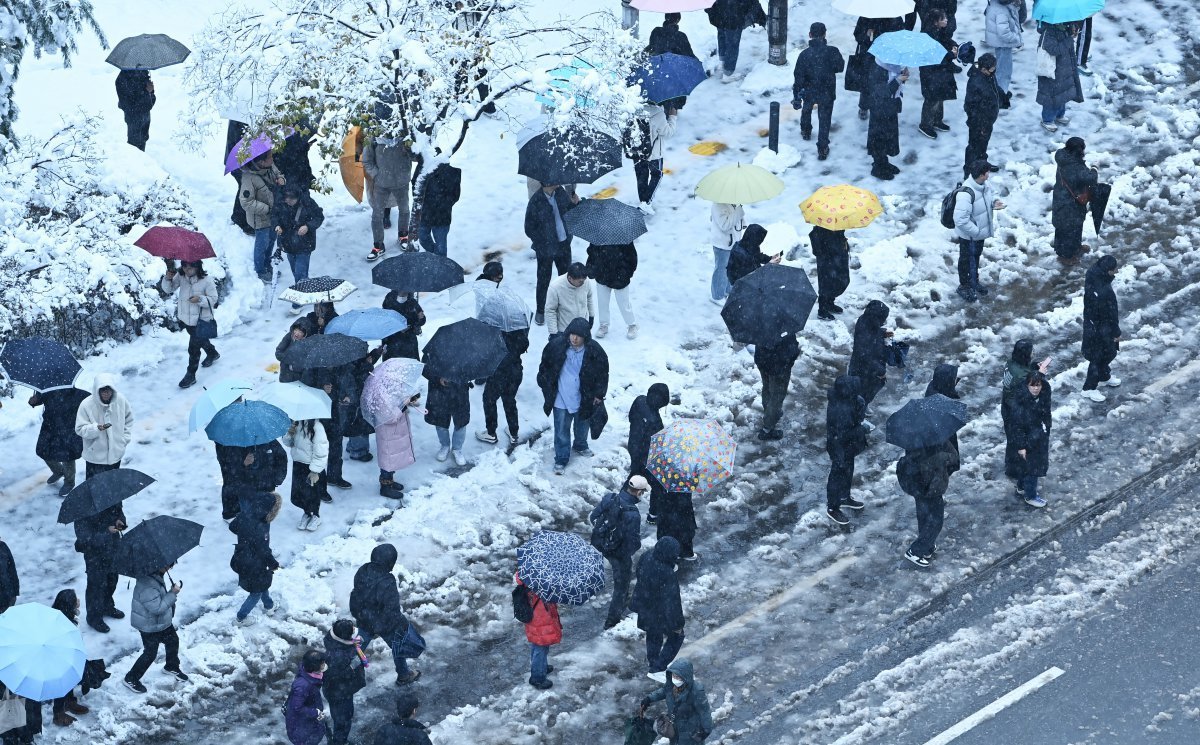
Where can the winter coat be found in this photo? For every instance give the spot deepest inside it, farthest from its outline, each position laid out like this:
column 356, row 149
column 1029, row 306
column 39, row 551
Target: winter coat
column 662, row 128
column 403, row 732
column 252, row 559
column 153, row 604
column 868, row 359
column 733, row 14
column 394, row 443
column 132, row 94
column 883, row 128
column 96, row 542
column 931, row 468
column 776, row 360
column 1072, row 176
column 375, row 599
column 185, row 288
column 306, row 212
column 845, row 437
column 866, row 30
column 57, row 440
column 937, row 81
column 286, row 373
column 293, row 159
column 346, row 675
column 593, row 374
column 1101, row 316
column 973, row 211
column 656, row 595
column 389, row 166
column 668, row 39
column 104, row 447
column 982, row 102
column 629, row 530
column 300, row 714
column 10, row 583
column 268, row 471
column 539, row 220
column 545, row 629
column 949, row 7
column 565, row 303
column 728, row 222
column 944, row 381
column 311, row 450
column 815, row 76
column 645, row 420
column 1002, row 24
column 510, row 370
column 832, row 252
column 446, row 403
column 440, row 191
column 404, row 343
column 349, row 414
column 744, row 259
column 1016, row 371
column 612, row 266
column 688, row 707
column 321, row 316
column 257, row 193
column 1064, row 87
column 1029, row 429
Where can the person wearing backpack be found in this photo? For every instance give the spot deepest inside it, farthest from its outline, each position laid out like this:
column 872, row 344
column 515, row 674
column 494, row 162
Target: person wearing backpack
column 543, row 629
column 644, row 146
column 730, row 18
column 375, row 605
column 616, row 533
column 924, row 474
column 973, row 224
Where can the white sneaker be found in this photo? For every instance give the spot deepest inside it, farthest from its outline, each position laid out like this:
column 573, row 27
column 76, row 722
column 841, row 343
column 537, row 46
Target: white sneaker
column 247, row 621
column 1050, row 126
column 1094, row 396
column 602, row 331
column 443, row 454
column 726, row 78
column 271, row 611
column 459, row 458
column 1063, row 120
column 314, row 522
column 646, row 208
column 303, row 523
column 1112, row 382
column 631, row 333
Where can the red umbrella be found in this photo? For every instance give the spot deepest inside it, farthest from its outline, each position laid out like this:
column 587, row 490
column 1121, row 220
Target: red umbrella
column 176, row 243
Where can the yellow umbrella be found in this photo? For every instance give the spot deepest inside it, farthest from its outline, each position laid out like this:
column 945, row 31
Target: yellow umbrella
column 350, row 163
column 841, row 207
column 739, row 184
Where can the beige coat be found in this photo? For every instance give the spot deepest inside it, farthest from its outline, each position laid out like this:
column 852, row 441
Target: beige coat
column 257, row 194
column 565, row 303
column 186, row 311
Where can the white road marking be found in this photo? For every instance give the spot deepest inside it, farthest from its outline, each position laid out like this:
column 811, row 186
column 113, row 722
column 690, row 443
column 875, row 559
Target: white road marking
column 995, row 707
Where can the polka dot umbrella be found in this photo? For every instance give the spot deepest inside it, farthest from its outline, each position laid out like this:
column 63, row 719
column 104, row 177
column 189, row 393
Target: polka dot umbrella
column 841, row 207
column 691, row 455
column 560, row 567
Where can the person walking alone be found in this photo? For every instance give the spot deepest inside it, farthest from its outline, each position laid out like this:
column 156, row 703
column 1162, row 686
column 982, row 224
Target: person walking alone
column 98, row 538
column 814, row 85
column 1101, row 327
column 982, row 104
column 542, row 632
column 845, row 438
column 57, row 445
column 135, row 98
column 440, row 191
column 153, row 616
column 925, row 475
column 105, row 422
column 687, row 704
column 774, row 362
column 252, row 559
column 832, row 252
column 569, row 297
column 868, row 358
column 616, row 533
column 654, row 126
column 375, row 605
column 885, row 89
column 613, row 268
column 196, row 296
column 548, row 237
column 1031, row 421
column 657, row 602
column 974, row 205
column 387, row 164
column 573, row 376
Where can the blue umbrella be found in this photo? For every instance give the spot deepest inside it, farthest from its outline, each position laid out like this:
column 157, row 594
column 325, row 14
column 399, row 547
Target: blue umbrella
column 1065, row 11
column 215, row 398
column 563, row 81
column 368, row 324
column 907, row 48
column 41, row 652
column 667, row 76
column 39, row 363
column 560, row 567
column 248, row 423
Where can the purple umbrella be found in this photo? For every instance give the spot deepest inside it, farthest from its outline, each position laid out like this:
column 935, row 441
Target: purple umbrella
column 261, row 144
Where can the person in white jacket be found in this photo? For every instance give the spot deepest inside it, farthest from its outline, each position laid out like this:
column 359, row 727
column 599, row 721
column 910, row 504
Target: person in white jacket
column 310, row 455
column 1002, row 32
column 105, row 422
column 728, row 222
column 570, row 296
column 973, row 224
column 649, row 169
column 196, row 296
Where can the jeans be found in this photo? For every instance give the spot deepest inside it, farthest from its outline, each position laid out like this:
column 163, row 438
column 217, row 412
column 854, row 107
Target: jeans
column 264, row 241
column 622, row 570
column 623, row 304
column 433, row 238
column 150, row 643
column 824, row 119
column 455, row 441
column 629, row 19
column 358, row 446
column 837, row 487
column 968, row 262
column 719, row 287
column 1050, row 113
column 137, row 128
column 728, row 42
column 1030, row 482
column 299, row 265
column 252, row 600
column 774, row 390
column 380, row 197
column 98, row 594
column 393, row 644
column 661, row 648
column 195, row 346
column 341, row 713
column 1004, row 58
column 648, row 173
column 558, row 258
column 979, row 136
column 538, row 662
column 564, row 422
column 932, row 113
column 930, row 513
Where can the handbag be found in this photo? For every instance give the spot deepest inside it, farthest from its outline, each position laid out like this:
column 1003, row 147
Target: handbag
column 1046, row 63
column 639, row 731
column 664, row 725
column 206, row 330
column 856, row 75
column 598, row 421
column 1082, row 197
column 12, row 711
column 412, row 645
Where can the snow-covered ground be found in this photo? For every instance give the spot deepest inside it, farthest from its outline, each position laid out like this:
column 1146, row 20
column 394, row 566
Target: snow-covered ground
column 763, row 532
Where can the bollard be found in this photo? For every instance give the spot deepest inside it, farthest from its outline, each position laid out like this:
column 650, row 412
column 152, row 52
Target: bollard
column 773, row 128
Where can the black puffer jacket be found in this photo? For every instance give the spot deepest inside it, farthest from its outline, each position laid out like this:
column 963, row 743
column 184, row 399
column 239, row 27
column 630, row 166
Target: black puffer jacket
column 656, row 596
column 252, row 559
column 645, row 419
column 1101, row 315
column 612, row 266
column 593, row 375
column 869, row 357
column 375, row 599
column 404, row 343
column 982, row 102
column 1073, row 178
column 57, row 440
column 304, row 213
column 345, row 676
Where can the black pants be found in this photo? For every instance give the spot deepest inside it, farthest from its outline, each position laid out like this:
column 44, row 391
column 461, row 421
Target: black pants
column 622, row 570
column 969, row 253
column 558, row 258
column 871, row 385
column 229, row 502
column 341, row 712
column 195, row 346
column 931, row 513
column 334, row 432
column 137, row 127
column 502, row 387
column 648, row 173
column 774, row 391
column 1013, row 463
column 978, row 137
column 150, row 643
column 837, row 487
column 91, row 469
column 1084, row 42
column 98, row 594
column 1098, row 371
column 824, row 119
column 932, row 113
column 1068, row 239
column 677, row 519
column 307, row 498
column 238, row 217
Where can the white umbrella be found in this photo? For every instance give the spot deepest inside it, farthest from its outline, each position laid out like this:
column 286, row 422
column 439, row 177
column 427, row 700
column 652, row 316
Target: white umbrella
column 298, row 401
column 875, row 8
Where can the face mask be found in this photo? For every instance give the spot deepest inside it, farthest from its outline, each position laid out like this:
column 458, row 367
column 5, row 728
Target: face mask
column 678, row 681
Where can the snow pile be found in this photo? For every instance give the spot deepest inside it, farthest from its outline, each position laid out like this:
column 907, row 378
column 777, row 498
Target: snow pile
column 777, row 162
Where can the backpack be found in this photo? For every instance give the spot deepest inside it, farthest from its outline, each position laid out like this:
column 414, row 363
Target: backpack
column 948, row 205
column 606, row 529
column 635, row 140
column 522, row 606
column 907, row 473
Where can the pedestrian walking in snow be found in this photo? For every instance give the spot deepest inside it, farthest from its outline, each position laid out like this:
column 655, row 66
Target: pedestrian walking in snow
column 304, row 714
column 885, row 88
column 260, row 180
column 1031, row 421
column 645, row 420
column 449, row 405
column 504, row 383
column 617, row 534
column 730, row 18
column 746, row 255
column 1083, row 45
column 246, row 470
column 1074, row 183
column 925, row 475
column 345, row 676
column 868, row 358
column 974, row 222
column 338, row 383
column 569, row 297
column 774, row 363
column 845, row 437
column 814, row 85
column 233, row 135
column 10, row 583
column 135, row 98
column 153, row 615
column 937, row 81
column 982, row 103
column 404, row 729
column 668, row 39
column 310, row 456
column 653, row 126
column 573, row 376
column 677, row 519
column 440, row 191
column 1060, row 86
column 1018, row 368
column 1101, row 327
column 657, row 603
column 98, row 538
column 387, row 165
column 613, row 268
column 375, row 605
column 105, row 422
column 832, row 252
column 866, row 30
column 67, row 603
column 945, row 382
column 195, row 298
column 301, row 328
column 404, row 343
column 58, row 445
column 542, row 631
column 728, row 222
column 1002, row 32
column 394, row 440
column 252, row 559
column 687, row 704
column 549, row 238
column 296, row 218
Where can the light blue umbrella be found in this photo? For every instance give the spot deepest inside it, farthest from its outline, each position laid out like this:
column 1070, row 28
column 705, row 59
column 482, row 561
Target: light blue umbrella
column 907, row 48
column 41, row 652
column 215, row 397
column 248, row 423
column 562, row 81
column 560, row 567
column 297, row 400
column 368, row 324
column 1065, row 11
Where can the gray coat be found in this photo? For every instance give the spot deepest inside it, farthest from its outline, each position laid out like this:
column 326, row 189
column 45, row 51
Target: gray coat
column 689, row 707
column 153, row 604
column 388, row 166
column 1064, row 87
column 1002, row 23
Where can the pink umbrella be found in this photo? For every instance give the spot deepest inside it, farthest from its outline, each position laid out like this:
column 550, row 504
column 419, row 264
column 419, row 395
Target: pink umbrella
column 671, row 6
column 175, row 243
column 260, row 145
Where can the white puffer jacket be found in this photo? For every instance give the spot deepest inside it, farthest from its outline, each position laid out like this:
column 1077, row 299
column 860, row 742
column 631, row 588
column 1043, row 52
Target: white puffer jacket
column 311, row 451
column 104, row 447
column 973, row 217
column 186, row 287
column 728, row 222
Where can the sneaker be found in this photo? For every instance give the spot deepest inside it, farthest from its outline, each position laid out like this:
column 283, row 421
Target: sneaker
column 541, row 685
column 559, row 469
column 176, row 673
column 837, row 516
column 459, row 458
column 135, row 686
column 295, row 310
column 340, row 483
column 853, row 504
column 247, row 621
column 54, row 478
column 65, row 489
column 271, row 611
column 727, row 78
column 210, row 359
column 1083, row 70
column 326, row 498
column 1050, row 126
column 693, row 556
column 646, row 209
column 314, row 522
column 304, row 520
column 1063, row 121
column 411, row 677
column 376, row 253
column 920, row 561
column 822, row 153
column 487, row 437
column 942, row 127
column 631, row 332
column 1020, row 490
column 512, row 438
column 929, row 132
column 1035, row 501
column 539, row 319
column 1112, row 382
column 443, row 454
column 188, row 381
column 586, row 452
column 602, row 331
column 1094, row 396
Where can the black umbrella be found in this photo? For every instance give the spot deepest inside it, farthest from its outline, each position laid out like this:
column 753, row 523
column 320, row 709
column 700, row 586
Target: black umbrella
column 156, row 544
column 571, row 156
column 39, row 363
column 924, row 422
column 1098, row 205
column 100, row 492
column 769, row 303
column 324, row 350
column 605, row 222
column 417, row 272
column 147, row 52
column 465, row 350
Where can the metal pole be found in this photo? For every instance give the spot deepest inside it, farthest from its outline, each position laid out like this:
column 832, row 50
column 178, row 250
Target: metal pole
column 773, row 131
column 777, row 31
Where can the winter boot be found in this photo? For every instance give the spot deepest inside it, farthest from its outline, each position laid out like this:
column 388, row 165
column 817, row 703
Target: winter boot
column 74, row 707
column 210, row 358
column 822, row 153
column 390, row 489
column 188, row 380
column 63, row 719
column 880, row 171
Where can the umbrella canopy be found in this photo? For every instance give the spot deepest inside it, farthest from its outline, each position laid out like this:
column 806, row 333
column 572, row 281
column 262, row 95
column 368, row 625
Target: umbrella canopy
column 350, row 164
column 924, row 422
column 389, row 386
column 155, row 544
column 318, row 290
column 563, row 81
column 1065, row 11
column 667, row 76
column 248, row 423
column 875, row 8
column 572, row 156
column 908, row 48
column 147, row 52
column 324, row 350
column 41, row 652
column 691, row 455
column 768, row 303
column 465, row 350
column 605, row 222
column 1098, row 205
column 368, row 324
column 215, row 398
column 560, row 567
column 501, row 306
column 419, row 271
column 39, row 363
column 739, row 184
column 257, row 147
column 176, row 243
column 297, row 400
column 100, row 492
column 841, row 207
column 671, row 6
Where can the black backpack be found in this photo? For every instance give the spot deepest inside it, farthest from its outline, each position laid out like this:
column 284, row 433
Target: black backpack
column 606, row 529
column 909, row 476
column 522, row 606
column 635, row 140
column 948, row 205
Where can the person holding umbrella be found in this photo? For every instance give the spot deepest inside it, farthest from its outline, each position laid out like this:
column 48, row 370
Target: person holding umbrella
column 815, row 86
column 321, row 315
column 658, row 605
column 1101, row 327
column 247, row 470
column 868, row 358
column 543, row 631
column 105, row 422
column 746, row 255
column 252, row 559
column 260, row 178
column 885, row 88
column 135, row 98
column 937, row 81
column 503, row 384
column 67, row 603
column 296, row 218
column 774, row 363
column 57, row 445
column 1062, row 86
column 573, row 376
column 310, row 455
column 301, row 328
column 728, row 222
column 196, row 296
column 649, row 131
column 845, row 438
column 832, row 252
column 153, row 617
column 613, row 268
column 449, row 405
column 98, row 538
column 1074, row 183
column 549, row 237
column 925, row 428
column 668, row 39
column 866, row 30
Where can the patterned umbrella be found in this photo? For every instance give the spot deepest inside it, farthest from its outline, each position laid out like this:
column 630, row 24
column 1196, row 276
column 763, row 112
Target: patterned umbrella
column 387, row 389
column 39, row 363
column 147, row 52
column 318, row 290
column 841, row 207
column 175, row 243
column 739, row 184
column 691, row 455
column 560, row 567
column 605, row 222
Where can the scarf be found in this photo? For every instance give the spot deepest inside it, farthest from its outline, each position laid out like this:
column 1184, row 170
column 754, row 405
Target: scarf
column 357, row 642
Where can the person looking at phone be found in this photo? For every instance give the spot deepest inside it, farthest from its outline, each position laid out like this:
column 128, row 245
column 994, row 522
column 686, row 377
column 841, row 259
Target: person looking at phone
column 746, row 255
column 105, row 422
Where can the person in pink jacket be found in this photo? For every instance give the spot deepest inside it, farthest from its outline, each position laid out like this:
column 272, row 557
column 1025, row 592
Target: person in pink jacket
column 394, row 441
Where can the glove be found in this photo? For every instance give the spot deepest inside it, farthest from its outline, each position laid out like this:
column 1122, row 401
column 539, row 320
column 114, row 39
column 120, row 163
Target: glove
column 313, row 478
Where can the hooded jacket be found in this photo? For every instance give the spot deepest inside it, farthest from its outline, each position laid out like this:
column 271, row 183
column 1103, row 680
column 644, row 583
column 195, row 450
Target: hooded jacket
column 656, row 597
column 668, row 39
column 929, row 469
column 304, row 213
column 814, row 77
column 945, row 378
column 746, row 255
column 565, row 303
column 257, row 193
column 844, row 414
column 252, row 559
column 645, row 419
column 403, row 732
column 612, row 266
column 982, row 102
column 593, row 375
column 776, row 360
column 1002, row 23
column 1071, row 176
column 1101, row 315
column 832, row 252
column 153, row 606
column 388, row 165
column 300, row 713
column 688, row 707
column 629, row 530
column 104, row 447
column 973, row 211
column 185, row 288
column 440, row 191
column 346, row 675
column 57, row 440
column 546, row 628
column 869, row 356
column 728, row 222
column 375, row 599
column 97, row 543
column 1016, row 371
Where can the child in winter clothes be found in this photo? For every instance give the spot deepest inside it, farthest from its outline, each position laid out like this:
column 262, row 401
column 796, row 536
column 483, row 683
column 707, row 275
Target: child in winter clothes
column 543, row 632
column 304, row 714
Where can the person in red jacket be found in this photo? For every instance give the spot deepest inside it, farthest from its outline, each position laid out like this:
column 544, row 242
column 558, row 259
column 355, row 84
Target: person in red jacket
column 544, row 631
